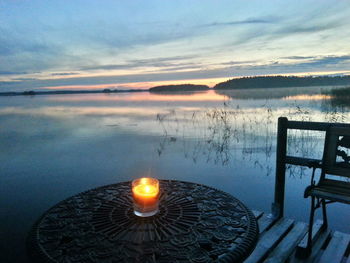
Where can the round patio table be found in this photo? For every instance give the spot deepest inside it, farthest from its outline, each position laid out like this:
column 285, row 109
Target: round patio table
column 195, row 223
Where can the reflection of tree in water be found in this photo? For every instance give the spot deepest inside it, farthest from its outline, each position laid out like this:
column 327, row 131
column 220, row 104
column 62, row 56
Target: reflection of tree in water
column 334, row 112
column 337, row 107
column 340, row 97
column 232, row 134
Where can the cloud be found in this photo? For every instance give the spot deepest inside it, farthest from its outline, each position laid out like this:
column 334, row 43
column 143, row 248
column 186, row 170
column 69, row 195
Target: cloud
column 130, row 42
column 274, row 28
column 23, row 52
column 232, row 63
column 274, row 67
column 24, row 79
column 12, row 72
column 131, row 36
column 109, row 67
column 313, row 63
column 161, row 59
column 298, row 57
column 137, row 63
column 314, row 27
column 319, row 61
column 13, row 42
column 64, row 74
column 192, row 66
column 248, row 21
column 193, row 71
column 331, row 60
column 7, row 83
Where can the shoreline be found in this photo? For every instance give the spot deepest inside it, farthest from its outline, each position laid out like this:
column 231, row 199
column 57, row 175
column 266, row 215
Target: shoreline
column 73, row 92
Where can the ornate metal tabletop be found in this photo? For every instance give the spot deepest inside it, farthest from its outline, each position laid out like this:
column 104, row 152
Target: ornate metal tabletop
column 195, row 223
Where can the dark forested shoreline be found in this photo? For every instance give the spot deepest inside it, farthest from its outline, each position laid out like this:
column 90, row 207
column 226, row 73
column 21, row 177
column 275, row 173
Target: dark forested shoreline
column 282, row 81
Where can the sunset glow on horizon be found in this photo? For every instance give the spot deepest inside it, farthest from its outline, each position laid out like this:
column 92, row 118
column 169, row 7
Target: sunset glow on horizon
column 138, row 85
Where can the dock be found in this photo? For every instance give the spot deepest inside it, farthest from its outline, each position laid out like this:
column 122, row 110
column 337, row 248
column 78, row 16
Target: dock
column 285, row 240
column 279, row 239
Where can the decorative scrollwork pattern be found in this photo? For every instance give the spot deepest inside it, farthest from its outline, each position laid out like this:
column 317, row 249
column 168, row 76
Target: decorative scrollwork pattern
column 195, row 223
column 343, row 150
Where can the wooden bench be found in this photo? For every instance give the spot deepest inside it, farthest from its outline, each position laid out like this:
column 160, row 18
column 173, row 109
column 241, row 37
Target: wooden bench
column 326, row 190
column 335, row 163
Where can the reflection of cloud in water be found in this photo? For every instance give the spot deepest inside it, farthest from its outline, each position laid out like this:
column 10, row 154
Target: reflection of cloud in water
column 273, row 93
column 89, row 121
column 142, row 96
column 228, row 129
column 63, row 112
column 308, row 97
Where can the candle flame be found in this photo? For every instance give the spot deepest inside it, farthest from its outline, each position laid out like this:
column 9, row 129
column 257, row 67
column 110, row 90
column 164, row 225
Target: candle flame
column 144, row 180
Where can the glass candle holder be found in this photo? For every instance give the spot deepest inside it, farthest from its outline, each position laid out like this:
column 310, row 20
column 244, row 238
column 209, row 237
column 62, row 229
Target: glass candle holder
column 145, row 193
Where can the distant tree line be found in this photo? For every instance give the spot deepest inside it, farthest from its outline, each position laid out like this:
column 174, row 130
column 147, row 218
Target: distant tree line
column 238, row 83
column 282, row 81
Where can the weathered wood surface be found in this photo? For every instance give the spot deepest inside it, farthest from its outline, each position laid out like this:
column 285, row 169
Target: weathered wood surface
column 287, row 245
column 280, row 179
column 313, row 126
column 303, row 161
column 336, row 248
column 316, row 231
column 265, row 221
column 269, row 239
column 279, row 239
column 257, row 214
column 316, row 250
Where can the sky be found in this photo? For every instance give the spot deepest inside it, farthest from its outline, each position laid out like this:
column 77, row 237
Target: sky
column 65, row 44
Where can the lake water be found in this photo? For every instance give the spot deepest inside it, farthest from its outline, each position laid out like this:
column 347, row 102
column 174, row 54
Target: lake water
column 52, row 147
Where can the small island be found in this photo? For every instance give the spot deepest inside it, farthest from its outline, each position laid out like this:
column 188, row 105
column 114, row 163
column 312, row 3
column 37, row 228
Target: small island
column 177, row 88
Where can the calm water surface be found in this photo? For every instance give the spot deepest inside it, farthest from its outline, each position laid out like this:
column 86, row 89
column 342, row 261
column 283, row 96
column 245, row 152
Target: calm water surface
column 52, row 147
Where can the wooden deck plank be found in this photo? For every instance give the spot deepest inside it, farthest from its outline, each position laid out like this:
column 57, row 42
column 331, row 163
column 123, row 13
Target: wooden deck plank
column 269, row 240
column 316, row 250
column 257, row 214
column 316, row 231
column 278, row 242
column 286, row 247
column 265, row 221
column 335, row 250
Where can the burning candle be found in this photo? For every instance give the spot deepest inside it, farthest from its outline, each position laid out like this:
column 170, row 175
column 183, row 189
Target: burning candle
column 145, row 192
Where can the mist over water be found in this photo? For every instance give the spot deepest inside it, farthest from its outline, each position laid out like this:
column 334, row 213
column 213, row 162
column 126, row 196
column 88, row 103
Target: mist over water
column 52, row 147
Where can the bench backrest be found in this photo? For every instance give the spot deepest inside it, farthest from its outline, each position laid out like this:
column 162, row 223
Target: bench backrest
column 282, row 158
column 336, row 155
